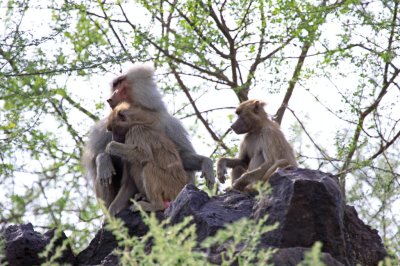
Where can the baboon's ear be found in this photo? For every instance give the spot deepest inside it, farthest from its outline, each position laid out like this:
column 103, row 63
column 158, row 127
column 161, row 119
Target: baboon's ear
column 257, row 106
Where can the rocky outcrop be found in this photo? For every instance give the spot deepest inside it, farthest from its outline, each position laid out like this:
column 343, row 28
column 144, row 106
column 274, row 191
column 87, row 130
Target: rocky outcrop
column 209, row 214
column 308, row 207
column 23, row 246
column 104, row 242
column 306, row 204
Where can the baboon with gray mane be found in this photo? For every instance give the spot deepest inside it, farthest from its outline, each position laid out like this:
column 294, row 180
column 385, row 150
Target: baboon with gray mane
column 137, row 87
column 151, row 161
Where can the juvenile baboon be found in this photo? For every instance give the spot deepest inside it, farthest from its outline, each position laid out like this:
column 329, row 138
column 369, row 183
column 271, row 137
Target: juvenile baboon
column 263, row 149
column 138, row 87
column 151, row 160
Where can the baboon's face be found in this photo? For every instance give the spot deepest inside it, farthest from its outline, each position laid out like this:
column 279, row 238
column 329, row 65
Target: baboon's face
column 248, row 117
column 120, row 92
column 242, row 124
column 126, row 115
column 119, row 122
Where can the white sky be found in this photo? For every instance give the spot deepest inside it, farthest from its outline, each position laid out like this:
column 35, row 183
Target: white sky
column 321, row 124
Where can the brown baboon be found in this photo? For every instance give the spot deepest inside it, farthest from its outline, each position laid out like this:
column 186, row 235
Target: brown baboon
column 151, row 160
column 138, row 87
column 262, row 151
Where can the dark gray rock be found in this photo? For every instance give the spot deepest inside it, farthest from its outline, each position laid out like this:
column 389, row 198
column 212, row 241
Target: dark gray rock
column 188, row 203
column 364, row 244
column 209, row 214
column 306, row 204
column 293, row 256
column 308, row 207
column 23, row 246
column 100, row 248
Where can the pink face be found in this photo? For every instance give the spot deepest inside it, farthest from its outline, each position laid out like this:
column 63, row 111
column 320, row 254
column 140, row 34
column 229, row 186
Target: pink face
column 116, row 97
column 120, row 92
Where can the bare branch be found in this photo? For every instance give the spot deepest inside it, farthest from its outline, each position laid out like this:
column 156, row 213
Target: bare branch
column 323, row 153
column 170, row 56
column 292, row 83
column 197, row 111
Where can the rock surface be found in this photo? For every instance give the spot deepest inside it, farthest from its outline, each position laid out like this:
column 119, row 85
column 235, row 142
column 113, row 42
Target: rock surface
column 308, row 207
column 306, row 204
column 294, row 256
column 23, row 246
column 209, row 214
column 104, row 242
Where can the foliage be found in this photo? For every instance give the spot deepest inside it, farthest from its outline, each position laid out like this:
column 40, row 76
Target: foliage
column 241, row 240
column 313, row 257
column 389, row 262
column 51, row 253
column 176, row 244
column 2, row 251
column 172, row 245
column 334, row 64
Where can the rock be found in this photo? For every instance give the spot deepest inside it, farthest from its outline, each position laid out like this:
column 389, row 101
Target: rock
column 306, row 204
column 365, row 245
column 104, row 242
column 99, row 248
column 293, row 256
column 23, row 246
column 67, row 254
column 209, row 214
column 188, row 202
column 308, row 207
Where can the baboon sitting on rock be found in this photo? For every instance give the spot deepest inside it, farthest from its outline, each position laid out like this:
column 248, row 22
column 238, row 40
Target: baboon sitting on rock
column 263, row 150
column 151, row 161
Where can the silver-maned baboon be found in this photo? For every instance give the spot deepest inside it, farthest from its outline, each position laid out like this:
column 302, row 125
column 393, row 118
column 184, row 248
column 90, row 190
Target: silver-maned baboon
column 137, row 87
column 263, row 149
column 151, row 160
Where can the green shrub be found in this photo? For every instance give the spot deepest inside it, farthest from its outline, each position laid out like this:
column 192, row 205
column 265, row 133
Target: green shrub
column 313, row 257
column 176, row 244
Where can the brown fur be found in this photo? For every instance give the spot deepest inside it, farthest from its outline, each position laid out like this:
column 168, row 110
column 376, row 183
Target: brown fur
column 137, row 87
column 150, row 159
column 263, row 149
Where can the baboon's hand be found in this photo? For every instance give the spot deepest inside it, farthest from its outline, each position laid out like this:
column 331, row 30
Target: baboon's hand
column 139, row 197
column 240, row 184
column 221, row 170
column 129, row 152
column 113, row 147
column 208, row 172
column 105, row 169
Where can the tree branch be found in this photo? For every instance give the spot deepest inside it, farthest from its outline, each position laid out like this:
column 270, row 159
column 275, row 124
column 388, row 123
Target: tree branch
column 292, row 83
column 357, row 133
column 197, row 111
